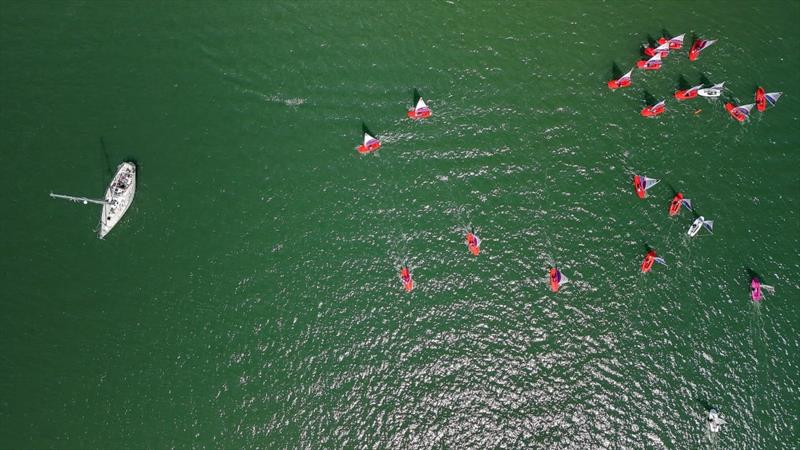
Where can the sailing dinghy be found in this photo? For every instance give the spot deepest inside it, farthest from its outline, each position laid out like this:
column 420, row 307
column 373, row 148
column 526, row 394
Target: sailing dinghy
column 641, row 183
column 557, row 279
column 421, row 111
column 652, row 111
column 118, row 198
column 653, row 63
column 698, row 223
column 674, row 43
column 662, row 50
column 766, row 99
column 688, row 93
column 370, row 144
column 621, row 82
column 698, row 46
column 713, row 91
column 740, row 113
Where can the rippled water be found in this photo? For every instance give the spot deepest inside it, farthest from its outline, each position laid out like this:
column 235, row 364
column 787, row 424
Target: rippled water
column 251, row 296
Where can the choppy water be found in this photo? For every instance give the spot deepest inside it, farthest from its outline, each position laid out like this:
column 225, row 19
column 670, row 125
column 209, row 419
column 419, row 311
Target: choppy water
column 250, row 297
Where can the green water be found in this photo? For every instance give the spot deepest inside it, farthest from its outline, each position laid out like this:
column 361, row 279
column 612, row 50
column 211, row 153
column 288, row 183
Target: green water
column 250, row 296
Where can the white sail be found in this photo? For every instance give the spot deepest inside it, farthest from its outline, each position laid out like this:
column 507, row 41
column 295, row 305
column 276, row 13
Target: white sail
column 745, row 109
column 660, row 260
column 767, row 288
column 627, row 76
column 563, row 280
column 368, row 138
column 772, row 97
column 663, row 47
column 677, row 39
column 709, row 225
column 649, row 182
column 705, row 44
column 420, row 104
column 687, row 203
column 660, row 104
column 655, row 58
column 695, row 88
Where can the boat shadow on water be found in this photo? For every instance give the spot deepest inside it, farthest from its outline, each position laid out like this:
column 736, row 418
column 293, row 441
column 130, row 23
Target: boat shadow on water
column 616, row 72
column 649, row 99
column 683, row 83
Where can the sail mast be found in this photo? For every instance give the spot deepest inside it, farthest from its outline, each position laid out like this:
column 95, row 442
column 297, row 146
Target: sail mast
column 83, row 200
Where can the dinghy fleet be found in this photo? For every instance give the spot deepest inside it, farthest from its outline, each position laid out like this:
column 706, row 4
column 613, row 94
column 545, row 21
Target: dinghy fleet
column 656, row 56
column 122, row 188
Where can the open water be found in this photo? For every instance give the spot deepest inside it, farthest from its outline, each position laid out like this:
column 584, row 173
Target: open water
column 250, row 297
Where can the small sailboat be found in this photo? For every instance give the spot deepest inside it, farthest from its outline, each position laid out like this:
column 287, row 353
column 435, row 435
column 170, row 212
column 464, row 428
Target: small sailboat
column 621, row 82
column 766, row 99
column 654, row 110
column 369, row 145
column 473, row 243
column 688, row 93
column 653, row 63
column 421, row 111
column 674, row 43
column 641, row 183
column 651, row 258
column 118, row 198
column 713, row 91
column 740, row 113
column 677, row 202
column 557, row 279
column 405, row 277
column 698, row 46
column 758, row 290
column 662, row 49
column 698, row 223
column 715, row 422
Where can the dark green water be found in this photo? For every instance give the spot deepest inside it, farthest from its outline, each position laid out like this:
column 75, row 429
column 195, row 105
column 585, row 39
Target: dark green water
column 250, row 296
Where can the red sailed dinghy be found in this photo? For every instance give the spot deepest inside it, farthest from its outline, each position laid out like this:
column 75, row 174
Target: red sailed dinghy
column 621, row 82
column 766, row 99
column 677, row 202
column 662, row 50
column 421, row 111
column 698, row 46
column 649, row 259
column 473, row 243
column 405, row 277
column 740, row 113
column 641, row 183
column 688, row 93
column 652, row 111
column 370, row 144
column 674, row 43
column 653, row 63
column 557, row 279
